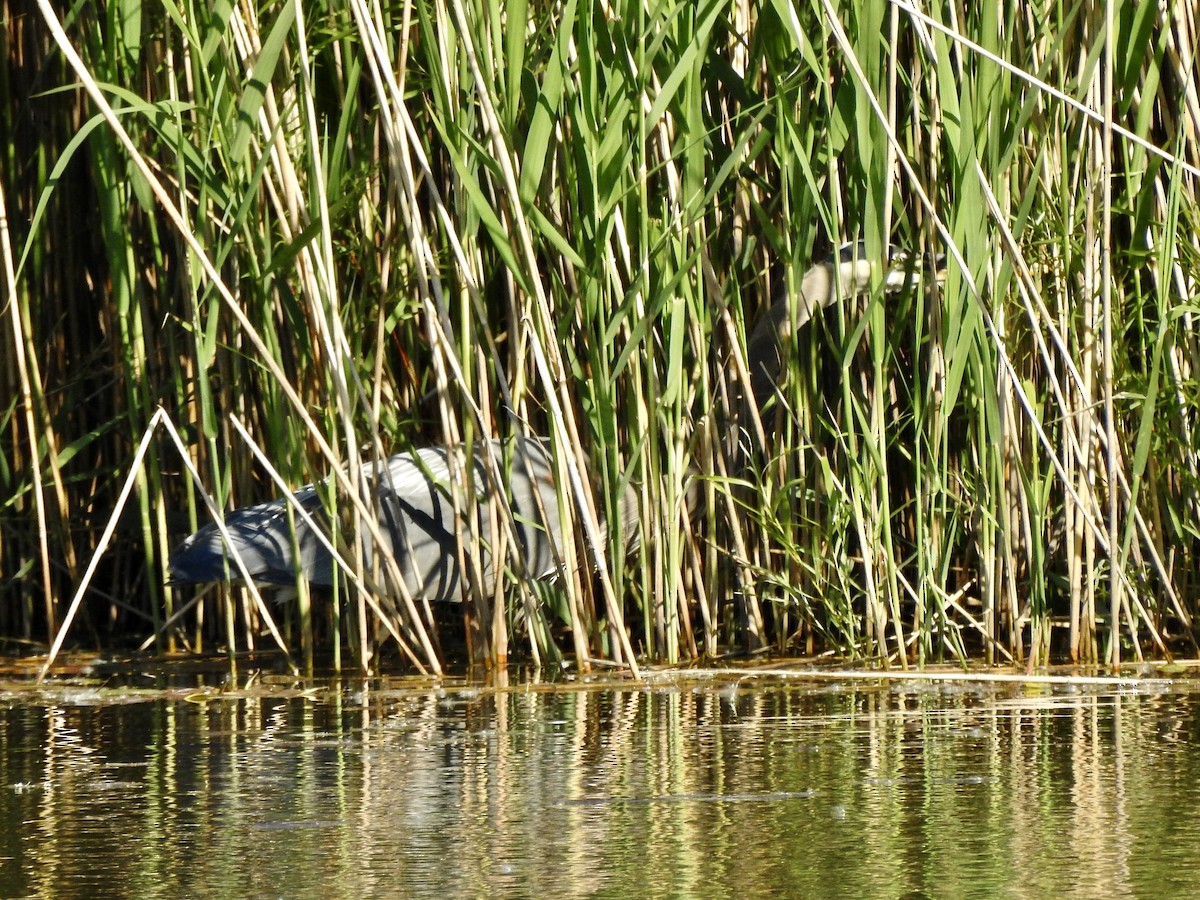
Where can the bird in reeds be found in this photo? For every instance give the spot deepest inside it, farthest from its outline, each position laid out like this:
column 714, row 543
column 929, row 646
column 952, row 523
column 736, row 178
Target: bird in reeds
column 410, row 492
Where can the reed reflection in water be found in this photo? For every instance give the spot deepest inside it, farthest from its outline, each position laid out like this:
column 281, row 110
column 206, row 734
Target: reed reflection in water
column 685, row 789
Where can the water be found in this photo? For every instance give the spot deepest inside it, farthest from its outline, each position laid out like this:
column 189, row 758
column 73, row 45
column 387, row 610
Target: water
column 700, row 788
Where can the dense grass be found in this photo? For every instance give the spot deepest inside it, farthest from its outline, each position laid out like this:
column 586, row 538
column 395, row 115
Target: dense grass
column 332, row 231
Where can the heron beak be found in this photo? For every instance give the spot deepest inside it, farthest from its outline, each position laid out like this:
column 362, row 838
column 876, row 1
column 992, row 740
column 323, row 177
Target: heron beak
column 935, row 267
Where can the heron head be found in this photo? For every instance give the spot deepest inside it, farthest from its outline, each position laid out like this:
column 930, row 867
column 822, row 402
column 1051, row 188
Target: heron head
column 903, row 267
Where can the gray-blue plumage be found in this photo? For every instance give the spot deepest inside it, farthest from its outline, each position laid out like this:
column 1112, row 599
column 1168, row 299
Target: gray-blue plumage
column 416, row 518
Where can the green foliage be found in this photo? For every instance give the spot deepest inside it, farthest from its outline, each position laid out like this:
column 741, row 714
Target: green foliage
column 355, row 229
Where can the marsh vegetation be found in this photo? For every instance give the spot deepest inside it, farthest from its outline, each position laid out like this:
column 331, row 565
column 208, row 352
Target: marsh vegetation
column 317, row 233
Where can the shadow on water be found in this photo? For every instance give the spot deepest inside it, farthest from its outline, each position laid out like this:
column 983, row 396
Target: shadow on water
column 728, row 785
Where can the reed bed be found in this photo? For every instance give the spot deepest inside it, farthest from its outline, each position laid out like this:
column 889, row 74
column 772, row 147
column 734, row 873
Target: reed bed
column 314, row 234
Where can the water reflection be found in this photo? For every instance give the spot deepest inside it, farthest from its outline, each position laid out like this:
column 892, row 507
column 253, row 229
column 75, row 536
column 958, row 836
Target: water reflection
column 704, row 789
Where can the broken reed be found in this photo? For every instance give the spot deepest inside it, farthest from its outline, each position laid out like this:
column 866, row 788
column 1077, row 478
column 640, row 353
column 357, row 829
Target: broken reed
column 439, row 221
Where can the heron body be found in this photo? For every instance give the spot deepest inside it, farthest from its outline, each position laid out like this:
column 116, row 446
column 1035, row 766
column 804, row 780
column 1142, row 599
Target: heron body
column 417, row 520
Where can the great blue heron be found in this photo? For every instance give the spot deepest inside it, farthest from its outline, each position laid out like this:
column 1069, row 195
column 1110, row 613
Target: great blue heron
column 410, row 494
column 412, row 501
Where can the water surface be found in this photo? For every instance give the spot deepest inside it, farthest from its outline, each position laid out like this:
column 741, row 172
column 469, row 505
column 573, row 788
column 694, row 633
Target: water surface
column 686, row 787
